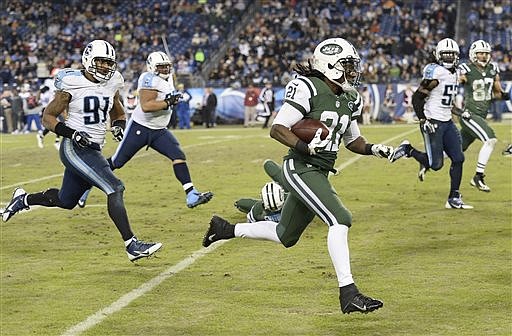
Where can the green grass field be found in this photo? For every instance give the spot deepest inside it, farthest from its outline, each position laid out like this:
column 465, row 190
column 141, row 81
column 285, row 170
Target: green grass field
column 438, row 271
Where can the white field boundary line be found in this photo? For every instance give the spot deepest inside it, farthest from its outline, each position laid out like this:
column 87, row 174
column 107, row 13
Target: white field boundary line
column 126, row 299
column 146, row 153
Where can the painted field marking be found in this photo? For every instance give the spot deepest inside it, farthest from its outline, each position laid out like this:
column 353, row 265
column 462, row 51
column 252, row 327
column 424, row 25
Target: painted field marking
column 126, row 299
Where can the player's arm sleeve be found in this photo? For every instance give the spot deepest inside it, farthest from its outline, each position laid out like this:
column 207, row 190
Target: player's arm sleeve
column 351, row 134
column 419, row 96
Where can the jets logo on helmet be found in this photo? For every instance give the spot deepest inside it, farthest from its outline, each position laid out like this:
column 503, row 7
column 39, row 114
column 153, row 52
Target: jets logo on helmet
column 159, row 64
column 331, row 49
column 447, row 53
column 483, row 47
column 99, row 59
column 272, row 195
column 338, row 60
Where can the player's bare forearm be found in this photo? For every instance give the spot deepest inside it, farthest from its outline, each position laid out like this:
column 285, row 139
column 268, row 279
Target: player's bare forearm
column 358, row 146
column 58, row 105
column 148, row 101
column 283, row 135
column 117, row 111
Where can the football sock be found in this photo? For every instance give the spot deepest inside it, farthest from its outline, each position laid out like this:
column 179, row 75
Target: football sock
column 337, row 244
column 127, row 242
column 455, row 175
column 265, row 230
column 117, row 212
column 484, row 155
column 183, row 175
column 420, row 157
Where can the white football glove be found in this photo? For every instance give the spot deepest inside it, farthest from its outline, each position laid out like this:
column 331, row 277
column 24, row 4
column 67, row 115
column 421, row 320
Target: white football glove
column 428, row 126
column 466, row 115
column 382, row 151
column 317, row 143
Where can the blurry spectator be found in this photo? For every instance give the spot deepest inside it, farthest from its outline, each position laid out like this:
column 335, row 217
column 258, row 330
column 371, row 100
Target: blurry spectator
column 209, row 107
column 367, row 106
column 18, row 115
column 130, row 103
column 183, row 107
column 250, row 103
column 387, row 110
column 32, row 111
column 5, row 101
column 407, row 104
column 267, row 98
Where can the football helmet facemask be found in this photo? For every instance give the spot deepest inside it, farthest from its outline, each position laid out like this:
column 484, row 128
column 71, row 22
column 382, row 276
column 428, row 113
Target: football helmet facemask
column 159, row 64
column 99, row 59
column 447, row 53
column 339, row 61
column 483, row 47
column 272, row 195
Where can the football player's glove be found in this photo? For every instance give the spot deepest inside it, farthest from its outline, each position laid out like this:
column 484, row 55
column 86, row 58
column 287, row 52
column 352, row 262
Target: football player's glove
column 171, row 99
column 317, row 143
column 382, row 151
column 117, row 129
column 466, row 115
column 428, row 126
column 81, row 139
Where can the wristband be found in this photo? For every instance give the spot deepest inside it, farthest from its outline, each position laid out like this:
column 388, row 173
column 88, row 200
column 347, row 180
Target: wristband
column 302, row 147
column 368, row 149
column 63, row 130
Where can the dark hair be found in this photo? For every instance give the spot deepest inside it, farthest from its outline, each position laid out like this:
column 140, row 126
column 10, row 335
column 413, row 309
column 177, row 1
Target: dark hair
column 308, row 71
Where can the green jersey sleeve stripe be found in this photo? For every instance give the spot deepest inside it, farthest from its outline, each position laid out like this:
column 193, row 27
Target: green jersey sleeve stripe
column 297, row 106
column 309, row 84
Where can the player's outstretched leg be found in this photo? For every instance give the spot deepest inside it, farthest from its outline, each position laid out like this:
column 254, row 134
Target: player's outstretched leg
column 219, row 229
column 16, row 204
column 351, row 300
column 138, row 249
column 195, row 198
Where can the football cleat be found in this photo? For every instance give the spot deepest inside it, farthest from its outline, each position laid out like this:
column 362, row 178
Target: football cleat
column 507, row 151
column 195, row 198
column 456, row 203
column 16, row 204
column 40, row 137
column 422, row 172
column 83, row 198
column 478, row 182
column 56, row 144
column 359, row 303
column 219, row 229
column 138, row 249
column 402, row 150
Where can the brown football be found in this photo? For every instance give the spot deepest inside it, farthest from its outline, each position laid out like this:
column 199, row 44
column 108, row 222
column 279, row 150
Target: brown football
column 306, row 129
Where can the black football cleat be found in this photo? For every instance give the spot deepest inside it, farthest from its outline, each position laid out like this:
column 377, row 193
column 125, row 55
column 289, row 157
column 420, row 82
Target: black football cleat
column 351, row 300
column 219, row 229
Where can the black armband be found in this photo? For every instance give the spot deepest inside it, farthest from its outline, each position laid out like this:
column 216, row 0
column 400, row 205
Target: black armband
column 368, row 149
column 120, row 122
column 505, row 96
column 302, row 147
column 63, row 130
column 418, row 103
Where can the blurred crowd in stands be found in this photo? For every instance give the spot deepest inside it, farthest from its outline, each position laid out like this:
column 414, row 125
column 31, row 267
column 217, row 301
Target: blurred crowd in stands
column 394, row 38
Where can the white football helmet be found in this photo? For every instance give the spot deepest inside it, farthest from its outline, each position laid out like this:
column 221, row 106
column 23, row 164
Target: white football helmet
column 159, row 64
column 100, row 50
column 447, row 53
column 480, row 46
column 339, row 61
column 272, row 195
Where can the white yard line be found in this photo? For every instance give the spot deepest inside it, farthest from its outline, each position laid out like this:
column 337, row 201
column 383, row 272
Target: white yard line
column 126, row 299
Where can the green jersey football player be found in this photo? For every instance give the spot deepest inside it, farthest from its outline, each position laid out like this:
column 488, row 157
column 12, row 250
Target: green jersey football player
column 324, row 90
column 482, row 84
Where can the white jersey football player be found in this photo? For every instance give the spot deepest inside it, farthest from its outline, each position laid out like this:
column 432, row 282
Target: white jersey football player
column 148, row 126
column 88, row 95
column 433, row 102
